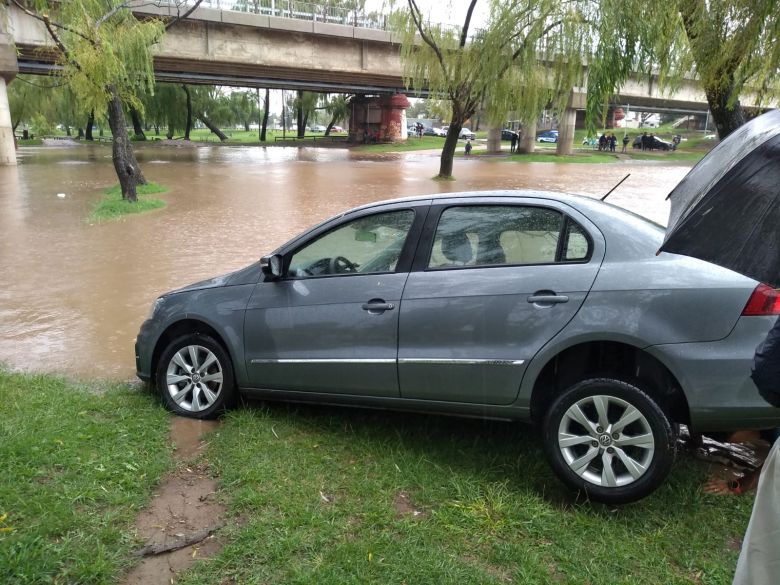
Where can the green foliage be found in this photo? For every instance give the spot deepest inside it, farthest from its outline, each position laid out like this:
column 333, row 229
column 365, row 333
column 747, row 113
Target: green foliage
column 78, row 465
column 503, row 66
column 113, row 206
column 104, row 45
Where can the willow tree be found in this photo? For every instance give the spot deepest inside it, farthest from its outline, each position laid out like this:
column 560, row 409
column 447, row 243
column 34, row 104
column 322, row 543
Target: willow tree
column 105, row 58
column 732, row 47
column 528, row 54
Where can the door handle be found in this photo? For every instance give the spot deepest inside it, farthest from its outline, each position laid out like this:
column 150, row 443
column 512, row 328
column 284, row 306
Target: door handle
column 377, row 306
column 548, row 299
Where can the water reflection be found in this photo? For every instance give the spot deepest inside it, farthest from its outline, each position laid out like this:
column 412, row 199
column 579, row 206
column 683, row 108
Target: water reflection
column 75, row 292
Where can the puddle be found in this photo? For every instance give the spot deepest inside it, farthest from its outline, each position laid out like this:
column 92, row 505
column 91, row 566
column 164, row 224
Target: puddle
column 183, row 514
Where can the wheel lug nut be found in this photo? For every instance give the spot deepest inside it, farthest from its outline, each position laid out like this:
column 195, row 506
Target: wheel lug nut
column 610, row 450
column 615, row 436
column 599, row 430
column 594, row 443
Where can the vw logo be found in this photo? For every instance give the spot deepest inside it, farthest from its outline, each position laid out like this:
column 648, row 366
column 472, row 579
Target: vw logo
column 605, row 440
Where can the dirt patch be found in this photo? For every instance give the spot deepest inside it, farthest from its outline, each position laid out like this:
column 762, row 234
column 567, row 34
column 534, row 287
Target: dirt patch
column 184, row 509
column 404, row 507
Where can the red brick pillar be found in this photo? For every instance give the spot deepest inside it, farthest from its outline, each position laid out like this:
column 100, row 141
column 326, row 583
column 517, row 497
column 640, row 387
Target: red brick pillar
column 393, row 125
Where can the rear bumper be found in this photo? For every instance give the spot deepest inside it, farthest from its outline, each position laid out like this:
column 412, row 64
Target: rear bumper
column 715, row 377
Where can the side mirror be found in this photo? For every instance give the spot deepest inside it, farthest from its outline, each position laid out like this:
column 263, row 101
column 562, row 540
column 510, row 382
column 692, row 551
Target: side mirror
column 272, row 265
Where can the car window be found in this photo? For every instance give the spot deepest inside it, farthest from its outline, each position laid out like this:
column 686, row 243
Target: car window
column 484, row 235
column 577, row 246
column 368, row 244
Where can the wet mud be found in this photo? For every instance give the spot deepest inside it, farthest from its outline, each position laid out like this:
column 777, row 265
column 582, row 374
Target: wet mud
column 184, row 509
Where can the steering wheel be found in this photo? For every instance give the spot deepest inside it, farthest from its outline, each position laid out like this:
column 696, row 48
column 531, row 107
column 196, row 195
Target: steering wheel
column 339, row 264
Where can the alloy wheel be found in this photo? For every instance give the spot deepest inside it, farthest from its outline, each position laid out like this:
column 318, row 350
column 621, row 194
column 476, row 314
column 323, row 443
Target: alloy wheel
column 194, row 378
column 606, row 441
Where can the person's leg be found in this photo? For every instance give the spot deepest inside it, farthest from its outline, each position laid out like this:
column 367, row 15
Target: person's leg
column 759, row 560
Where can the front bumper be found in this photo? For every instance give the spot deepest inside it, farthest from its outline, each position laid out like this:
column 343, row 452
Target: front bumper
column 144, row 350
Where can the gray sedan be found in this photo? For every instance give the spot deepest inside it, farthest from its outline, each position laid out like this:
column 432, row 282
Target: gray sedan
column 516, row 305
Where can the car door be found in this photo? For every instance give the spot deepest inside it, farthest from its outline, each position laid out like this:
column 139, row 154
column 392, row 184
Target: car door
column 493, row 281
column 330, row 324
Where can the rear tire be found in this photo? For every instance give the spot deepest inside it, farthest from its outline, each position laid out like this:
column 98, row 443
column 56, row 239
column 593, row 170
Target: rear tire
column 609, row 439
column 195, row 377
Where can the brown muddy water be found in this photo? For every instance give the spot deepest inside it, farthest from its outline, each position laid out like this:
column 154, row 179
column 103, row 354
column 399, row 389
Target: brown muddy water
column 74, row 293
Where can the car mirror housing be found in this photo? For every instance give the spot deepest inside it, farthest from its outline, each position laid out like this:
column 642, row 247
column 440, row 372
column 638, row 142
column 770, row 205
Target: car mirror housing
column 272, row 265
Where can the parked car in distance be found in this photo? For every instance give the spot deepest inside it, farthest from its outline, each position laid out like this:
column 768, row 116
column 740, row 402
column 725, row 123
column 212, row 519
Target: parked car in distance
column 512, row 305
column 337, row 130
column 466, row 134
column 434, row 132
column 506, row 134
column 547, row 136
column 318, row 128
column 656, row 143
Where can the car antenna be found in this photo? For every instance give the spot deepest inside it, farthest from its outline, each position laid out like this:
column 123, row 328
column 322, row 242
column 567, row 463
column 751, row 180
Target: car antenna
column 616, row 186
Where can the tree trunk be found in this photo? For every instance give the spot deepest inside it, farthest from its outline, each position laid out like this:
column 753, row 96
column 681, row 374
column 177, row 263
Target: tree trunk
column 727, row 119
column 138, row 127
column 90, row 123
column 67, row 131
column 122, row 150
column 448, row 152
column 246, row 125
column 211, row 126
column 80, row 134
column 264, row 125
column 188, row 125
column 299, row 115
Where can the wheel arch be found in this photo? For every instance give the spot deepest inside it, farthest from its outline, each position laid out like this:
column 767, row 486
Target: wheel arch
column 616, row 359
column 185, row 327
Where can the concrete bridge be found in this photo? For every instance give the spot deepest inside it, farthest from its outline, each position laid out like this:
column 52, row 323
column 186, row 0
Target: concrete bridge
column 227, row 47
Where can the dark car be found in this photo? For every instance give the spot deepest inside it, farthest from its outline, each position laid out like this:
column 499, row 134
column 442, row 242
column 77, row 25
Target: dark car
column 655, row 143
column 512, row 305
column 507, row 134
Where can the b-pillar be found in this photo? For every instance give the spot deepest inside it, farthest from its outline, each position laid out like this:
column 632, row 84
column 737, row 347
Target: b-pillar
column 8, row 70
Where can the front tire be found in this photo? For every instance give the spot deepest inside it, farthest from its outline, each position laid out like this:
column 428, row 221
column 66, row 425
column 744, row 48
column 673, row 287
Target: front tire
column 195, row 377
column 609, row 439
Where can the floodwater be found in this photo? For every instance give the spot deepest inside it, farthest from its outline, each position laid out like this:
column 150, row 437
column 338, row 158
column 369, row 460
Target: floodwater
column 74, row 293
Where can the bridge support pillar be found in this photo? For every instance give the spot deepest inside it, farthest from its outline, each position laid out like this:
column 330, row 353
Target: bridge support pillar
column 493, row 140
column 8, row 70
column 528, row 138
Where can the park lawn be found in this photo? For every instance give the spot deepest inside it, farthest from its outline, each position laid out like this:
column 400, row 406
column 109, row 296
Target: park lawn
column 411, row 144
column 77, row 466
column 112, row 206
column 679, row 155
column 341, row 496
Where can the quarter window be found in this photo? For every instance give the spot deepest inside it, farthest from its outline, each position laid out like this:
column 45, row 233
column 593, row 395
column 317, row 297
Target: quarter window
column 368, row 244
column 485, row 235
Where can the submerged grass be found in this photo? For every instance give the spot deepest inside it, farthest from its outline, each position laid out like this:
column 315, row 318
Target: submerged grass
column 76, row 468
column 112, row 206
column 333, row 496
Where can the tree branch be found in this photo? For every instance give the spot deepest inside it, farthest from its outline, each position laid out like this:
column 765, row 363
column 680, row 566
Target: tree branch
column 182, row 16
column 37, row 16
column 466, row 24
column 417, row 17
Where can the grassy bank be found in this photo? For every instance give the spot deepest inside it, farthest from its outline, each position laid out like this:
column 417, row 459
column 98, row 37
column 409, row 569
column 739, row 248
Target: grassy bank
column 76, row 468
column 333, row 496
column 413, row 143
column 112, row 206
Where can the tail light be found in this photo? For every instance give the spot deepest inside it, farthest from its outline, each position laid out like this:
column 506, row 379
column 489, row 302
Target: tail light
column 765, row 300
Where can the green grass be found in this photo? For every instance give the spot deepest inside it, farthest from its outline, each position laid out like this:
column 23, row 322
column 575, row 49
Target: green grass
column 327, row 496
column 413, row 143
column 585, row 157
column 669, row 156
column 112, row 206
column 31, row 142
column 76, row 468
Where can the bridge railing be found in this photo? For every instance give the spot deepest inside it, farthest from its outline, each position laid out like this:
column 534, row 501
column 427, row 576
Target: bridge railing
column 313, row 11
